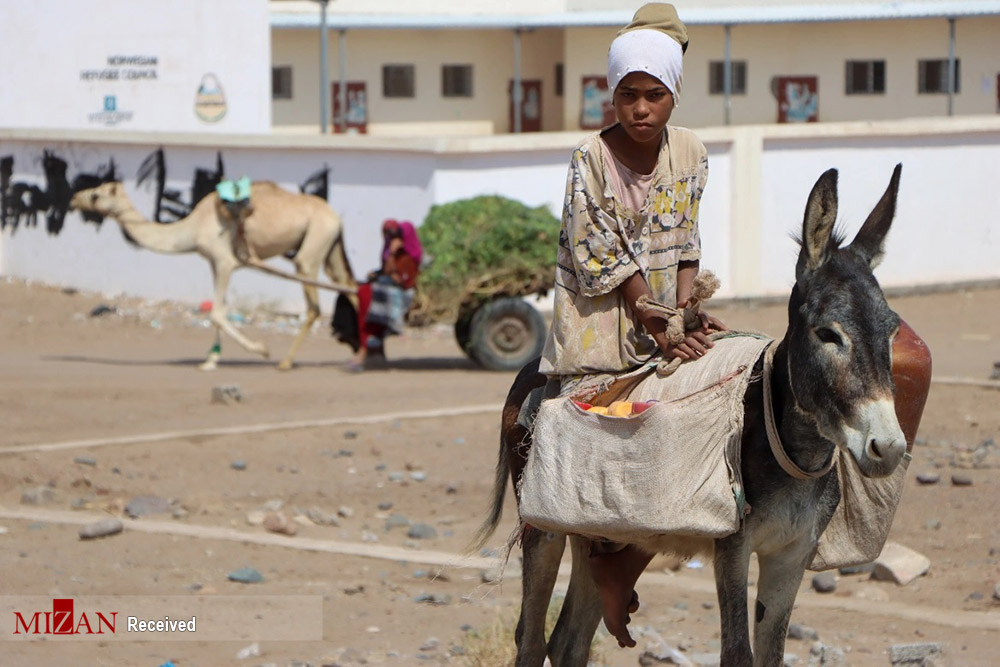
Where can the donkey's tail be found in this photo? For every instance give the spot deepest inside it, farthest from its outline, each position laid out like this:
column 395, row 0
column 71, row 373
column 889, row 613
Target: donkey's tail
column 513, row 437
column 500, row 478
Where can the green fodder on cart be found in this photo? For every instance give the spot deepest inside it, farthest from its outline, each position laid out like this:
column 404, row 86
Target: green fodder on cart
column 483, row 247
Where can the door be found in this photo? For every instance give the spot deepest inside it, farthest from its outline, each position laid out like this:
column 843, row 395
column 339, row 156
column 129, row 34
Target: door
column 531, row 105
column 357, row 107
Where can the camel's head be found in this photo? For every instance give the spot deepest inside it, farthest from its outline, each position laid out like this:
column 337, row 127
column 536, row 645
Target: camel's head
column 104, row 199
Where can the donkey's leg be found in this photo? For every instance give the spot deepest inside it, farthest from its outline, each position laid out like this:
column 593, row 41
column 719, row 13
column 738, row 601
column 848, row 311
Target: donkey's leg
column 780, row 576
column 580, row 614
column 731, row 564
column 542, row 552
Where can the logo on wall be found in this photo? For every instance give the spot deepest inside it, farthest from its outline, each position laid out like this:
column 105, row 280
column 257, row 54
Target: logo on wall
column 210, row 102
column 109, row 114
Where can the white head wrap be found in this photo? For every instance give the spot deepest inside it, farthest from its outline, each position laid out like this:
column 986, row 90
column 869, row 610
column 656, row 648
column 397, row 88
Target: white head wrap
column 650, row 51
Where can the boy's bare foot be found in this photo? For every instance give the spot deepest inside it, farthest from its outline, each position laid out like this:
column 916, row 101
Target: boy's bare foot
column 615, row 575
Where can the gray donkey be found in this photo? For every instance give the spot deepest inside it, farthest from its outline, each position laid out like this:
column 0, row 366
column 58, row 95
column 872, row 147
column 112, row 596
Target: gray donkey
column 833, row 387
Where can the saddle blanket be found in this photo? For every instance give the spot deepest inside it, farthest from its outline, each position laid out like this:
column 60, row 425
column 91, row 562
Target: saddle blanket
column 670, row 469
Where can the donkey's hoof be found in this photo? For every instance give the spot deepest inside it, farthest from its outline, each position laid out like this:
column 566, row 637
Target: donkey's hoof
column 285, row 365
column 208, row 366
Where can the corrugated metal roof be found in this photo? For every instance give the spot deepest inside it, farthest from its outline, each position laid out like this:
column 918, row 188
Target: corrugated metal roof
column 734, row 15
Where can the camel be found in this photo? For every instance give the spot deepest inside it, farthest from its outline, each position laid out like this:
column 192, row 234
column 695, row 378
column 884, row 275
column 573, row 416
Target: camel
column 280, row 223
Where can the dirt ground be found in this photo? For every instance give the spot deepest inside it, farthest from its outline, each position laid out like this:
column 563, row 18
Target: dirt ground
column 102, row 409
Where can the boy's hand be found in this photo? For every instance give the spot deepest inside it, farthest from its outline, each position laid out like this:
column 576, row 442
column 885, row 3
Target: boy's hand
column 695, row 345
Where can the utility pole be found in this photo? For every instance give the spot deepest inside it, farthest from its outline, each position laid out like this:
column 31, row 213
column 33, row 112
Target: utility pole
column 324, row 75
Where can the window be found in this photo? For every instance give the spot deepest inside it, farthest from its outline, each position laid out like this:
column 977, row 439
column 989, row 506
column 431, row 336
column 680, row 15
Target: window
column 865, row 77
column 281, row 83
column 737, row 77
column 932, row 76
column 456, row 80
column 559, row 79
column 397, row 81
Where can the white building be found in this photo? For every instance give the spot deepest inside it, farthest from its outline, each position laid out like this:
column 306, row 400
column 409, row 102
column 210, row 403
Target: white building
column 448, row 66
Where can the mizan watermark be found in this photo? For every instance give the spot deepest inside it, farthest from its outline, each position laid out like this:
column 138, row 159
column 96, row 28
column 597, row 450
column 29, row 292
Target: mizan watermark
column 142, row 618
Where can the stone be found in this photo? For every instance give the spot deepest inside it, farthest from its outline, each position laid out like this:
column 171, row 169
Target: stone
column 345, row 511
column 900, row 564
column 927, row 478
column 961, row 480
column 827, row 656
column 798, row 631
column 865, row 568
column 85, row 460
column 277, row 522
column 493, row 575
column 321, row 518
column 824, row 582
column 256, row 518
column 238, row 465
column 915, row 654
column 245, row 575
column 39, row 495
column 396, row 521
column 431, row 644
column 146, row 505
column 101, row 528
column 252, row 651
column 662, row 653
column 421, row 531
column 384, row 506
column 227, row 394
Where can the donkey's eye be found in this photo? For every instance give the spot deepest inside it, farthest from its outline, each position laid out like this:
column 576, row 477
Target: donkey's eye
column 828, row 335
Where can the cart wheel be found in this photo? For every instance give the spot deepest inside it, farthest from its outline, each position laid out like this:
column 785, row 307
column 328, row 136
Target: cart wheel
column 506, row 334
column 463, row 331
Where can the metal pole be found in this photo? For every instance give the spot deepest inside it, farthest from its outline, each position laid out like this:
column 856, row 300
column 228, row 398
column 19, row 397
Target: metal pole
column 727, row 80
column 343, row 80
column 951, row 66
column 324, row 76
column 516, row 92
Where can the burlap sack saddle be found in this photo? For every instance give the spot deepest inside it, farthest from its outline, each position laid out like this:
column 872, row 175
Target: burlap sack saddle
column 674, row 469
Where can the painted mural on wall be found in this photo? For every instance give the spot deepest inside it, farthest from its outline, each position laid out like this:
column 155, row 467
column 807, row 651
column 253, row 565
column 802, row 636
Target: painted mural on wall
column 25, row 203
column 596, row 109
column 356, row 119
column 798, row 99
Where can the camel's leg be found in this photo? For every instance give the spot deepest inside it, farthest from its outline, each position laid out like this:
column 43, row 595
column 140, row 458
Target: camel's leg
column 312, row 314
column 338, row 268
column 212, row 362
column 778, row 584
column 221, row 273
column 732, row 562
column 580, row 614
column 542, row 553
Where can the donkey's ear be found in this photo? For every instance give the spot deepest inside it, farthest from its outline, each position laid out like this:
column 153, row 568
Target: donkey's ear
column 870, row 241
column 821, row 214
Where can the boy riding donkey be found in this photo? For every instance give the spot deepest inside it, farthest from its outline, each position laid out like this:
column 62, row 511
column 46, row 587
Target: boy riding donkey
column 628, row 256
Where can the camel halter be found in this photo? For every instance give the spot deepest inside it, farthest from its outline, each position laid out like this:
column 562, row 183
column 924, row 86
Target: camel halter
column 773, row 439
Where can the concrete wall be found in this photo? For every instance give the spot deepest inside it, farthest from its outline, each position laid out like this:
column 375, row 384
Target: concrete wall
column 135, row 66
column 946, row 228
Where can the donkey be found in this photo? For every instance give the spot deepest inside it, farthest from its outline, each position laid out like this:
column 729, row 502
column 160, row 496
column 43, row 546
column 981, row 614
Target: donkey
column 832, row 387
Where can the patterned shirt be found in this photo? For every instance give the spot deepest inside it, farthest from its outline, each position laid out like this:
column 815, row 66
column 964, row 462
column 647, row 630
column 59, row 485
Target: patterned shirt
column 602, row 242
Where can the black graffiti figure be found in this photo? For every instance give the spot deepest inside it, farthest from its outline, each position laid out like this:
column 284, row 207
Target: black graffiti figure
column 170, row 205
column 21, row 203
column 318, row 183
